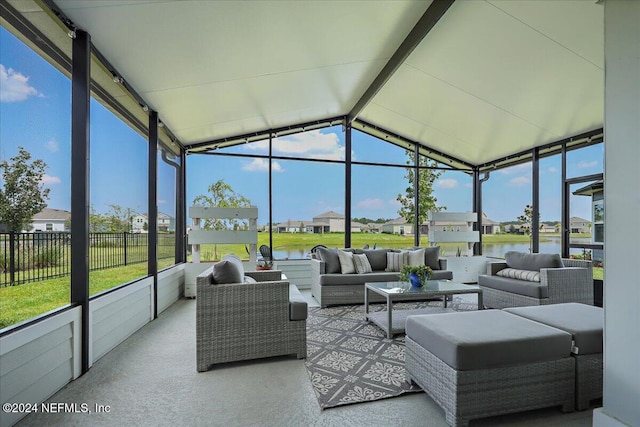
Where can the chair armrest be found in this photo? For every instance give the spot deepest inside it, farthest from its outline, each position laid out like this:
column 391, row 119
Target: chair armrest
column 494, row 267
column 443, row 263
column 265, row 275
column 568, row 284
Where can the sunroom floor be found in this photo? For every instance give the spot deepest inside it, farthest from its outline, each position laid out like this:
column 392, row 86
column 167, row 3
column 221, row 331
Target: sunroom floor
column 151, row 380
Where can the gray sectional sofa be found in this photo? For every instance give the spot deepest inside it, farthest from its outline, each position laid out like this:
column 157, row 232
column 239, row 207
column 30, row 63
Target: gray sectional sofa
column 330, row 286
column 536, row 279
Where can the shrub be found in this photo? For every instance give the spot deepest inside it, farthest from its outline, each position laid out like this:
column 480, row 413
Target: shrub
column 45, row 258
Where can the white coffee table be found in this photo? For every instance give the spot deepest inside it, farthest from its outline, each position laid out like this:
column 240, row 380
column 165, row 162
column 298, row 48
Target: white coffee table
column 394, row 322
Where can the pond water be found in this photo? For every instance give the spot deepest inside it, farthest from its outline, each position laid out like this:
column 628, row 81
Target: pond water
column 550, row 245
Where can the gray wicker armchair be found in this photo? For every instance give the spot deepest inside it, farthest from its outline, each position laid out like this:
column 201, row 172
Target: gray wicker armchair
column 246, row 321
column 571, row 283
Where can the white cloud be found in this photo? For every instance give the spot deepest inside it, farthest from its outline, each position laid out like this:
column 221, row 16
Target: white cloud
column 447, row 183
column 371, row 204
column 50, row 180
column 520, row 180
column 52, row 145
column 584, row 164
column 261, row 165
column 552, row 169
column 468, row 185
column 516, row 169
column 15, row 87
column 161, row 201
column 312, row 144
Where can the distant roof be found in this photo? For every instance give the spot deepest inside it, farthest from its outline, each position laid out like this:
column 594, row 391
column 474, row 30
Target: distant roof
column 52, row 214
column 578, row 219
column 589, row 190
column 330, row 214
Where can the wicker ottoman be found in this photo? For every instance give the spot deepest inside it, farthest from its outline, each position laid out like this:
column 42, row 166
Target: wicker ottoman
column 585, row 324
column 484, row 363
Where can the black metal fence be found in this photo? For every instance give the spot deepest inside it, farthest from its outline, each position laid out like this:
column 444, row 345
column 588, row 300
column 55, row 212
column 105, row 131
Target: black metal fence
column 29, row 257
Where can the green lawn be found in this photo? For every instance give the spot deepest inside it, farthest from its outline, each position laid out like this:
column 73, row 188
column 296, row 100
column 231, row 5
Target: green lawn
column 22, row 302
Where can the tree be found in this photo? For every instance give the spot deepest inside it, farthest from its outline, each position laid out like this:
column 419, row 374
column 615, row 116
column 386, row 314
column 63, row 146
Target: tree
column 527, row 219
column 118, row 219
column 427, row 201
column 221, row 195
column 23, row 194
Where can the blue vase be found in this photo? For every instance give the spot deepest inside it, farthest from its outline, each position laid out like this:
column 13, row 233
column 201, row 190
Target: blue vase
column 415, row 280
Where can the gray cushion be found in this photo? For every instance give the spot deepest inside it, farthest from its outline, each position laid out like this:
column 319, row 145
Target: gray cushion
column 297, row 304
column 357, row 279
column 431, row 257
column 534, row 262
column 487, row 339
column 228, row 270
column 515, row 286
column 441, row 275
column 330, row 258
column 583, row 322
column 377, row 258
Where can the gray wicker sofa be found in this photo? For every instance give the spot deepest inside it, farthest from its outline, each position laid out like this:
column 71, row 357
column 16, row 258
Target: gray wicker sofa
column 330, row 286
column 536, row 279
column 247, row 315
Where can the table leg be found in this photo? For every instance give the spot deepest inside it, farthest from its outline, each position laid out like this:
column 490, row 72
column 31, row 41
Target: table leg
column 444, row 297
column 366, row 303
column 480, row 302
column 389, row 317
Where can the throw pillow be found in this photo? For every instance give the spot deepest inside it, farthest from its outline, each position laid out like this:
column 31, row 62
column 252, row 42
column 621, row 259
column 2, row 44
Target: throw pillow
column 228, row 270
column 361, row 263
column 395, row 260
column 432, row 257
column 346, row 262
column 249, row 279
column 532, row 262
column 377, row 258
column 330, row 258
column 514, row 273
column 416, row 257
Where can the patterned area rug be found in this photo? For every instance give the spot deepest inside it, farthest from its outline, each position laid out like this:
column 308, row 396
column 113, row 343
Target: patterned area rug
column 351, row 361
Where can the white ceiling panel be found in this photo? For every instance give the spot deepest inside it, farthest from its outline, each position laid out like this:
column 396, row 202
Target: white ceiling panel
column 485, row 79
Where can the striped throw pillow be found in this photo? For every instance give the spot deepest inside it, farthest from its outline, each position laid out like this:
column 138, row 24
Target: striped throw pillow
column 514, row 273
column 395, row 260
column 361, row 263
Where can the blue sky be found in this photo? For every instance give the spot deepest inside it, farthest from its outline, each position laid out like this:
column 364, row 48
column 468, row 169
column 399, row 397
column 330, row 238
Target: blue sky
column 35, row 113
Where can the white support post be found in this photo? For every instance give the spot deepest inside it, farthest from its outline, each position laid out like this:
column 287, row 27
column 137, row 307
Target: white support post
column 195, row 251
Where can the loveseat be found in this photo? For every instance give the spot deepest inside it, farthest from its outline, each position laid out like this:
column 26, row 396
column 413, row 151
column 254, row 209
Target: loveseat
column 335, row 281
column 536, row 279
column 247, row 315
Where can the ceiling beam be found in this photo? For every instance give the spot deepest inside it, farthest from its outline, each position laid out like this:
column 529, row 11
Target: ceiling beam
column 431, row 16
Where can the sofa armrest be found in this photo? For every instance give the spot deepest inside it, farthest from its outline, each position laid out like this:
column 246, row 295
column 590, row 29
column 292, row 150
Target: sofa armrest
column 494, row 267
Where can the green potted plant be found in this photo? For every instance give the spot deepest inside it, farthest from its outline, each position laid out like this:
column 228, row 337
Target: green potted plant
column 416, row 274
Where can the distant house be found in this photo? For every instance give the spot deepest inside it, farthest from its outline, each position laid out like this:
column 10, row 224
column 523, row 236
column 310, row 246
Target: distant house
column 397, row 226
column 165, row 223
column 329, row 222
column 295, row 226
column 50, row 220
column 489, row 226
column 579, row 225
column 545, row 228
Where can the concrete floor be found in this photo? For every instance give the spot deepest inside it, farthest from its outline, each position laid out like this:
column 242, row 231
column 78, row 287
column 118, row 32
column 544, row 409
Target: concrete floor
column 151, row 380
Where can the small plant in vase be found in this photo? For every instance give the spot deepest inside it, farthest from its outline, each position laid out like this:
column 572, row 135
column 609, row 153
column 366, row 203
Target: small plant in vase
column 264, row 264
column 417, row 275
